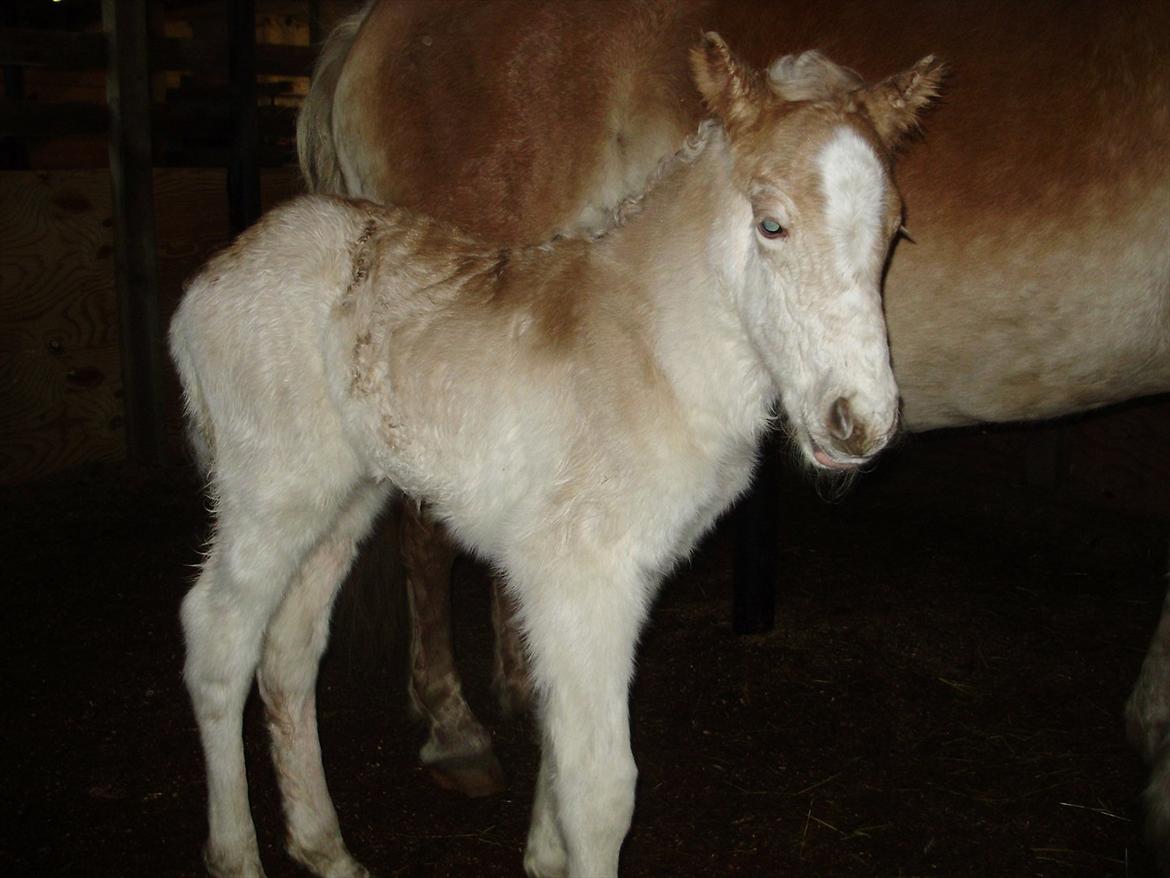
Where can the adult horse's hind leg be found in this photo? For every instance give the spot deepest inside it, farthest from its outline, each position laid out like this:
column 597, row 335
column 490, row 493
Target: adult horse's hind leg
column 510, row 680
column 458, row 749
column 1147, row 715
column 293, row 645
column 261, row 538
column 582, row 624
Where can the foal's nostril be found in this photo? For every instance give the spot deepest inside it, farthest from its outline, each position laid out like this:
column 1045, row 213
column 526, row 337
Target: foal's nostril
column 840, row 420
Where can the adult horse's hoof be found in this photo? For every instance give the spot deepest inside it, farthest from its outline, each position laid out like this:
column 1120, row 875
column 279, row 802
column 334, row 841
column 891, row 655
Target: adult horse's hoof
column 1157, row 802
column 476, row 775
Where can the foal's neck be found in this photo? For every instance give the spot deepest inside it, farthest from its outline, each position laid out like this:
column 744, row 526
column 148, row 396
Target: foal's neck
column 687, row 246
column 666, row 235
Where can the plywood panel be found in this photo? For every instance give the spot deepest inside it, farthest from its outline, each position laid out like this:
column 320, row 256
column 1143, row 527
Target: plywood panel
column 60, row 384
column 59, row 369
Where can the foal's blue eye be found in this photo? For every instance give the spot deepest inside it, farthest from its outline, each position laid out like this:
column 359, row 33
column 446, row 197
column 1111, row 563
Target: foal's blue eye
column 770, row 228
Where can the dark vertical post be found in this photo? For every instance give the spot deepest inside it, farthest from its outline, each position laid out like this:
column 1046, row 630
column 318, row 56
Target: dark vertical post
column 131, row 161
column 314, row 10
column 13, row 150
column 754, row 575
column 244, row 171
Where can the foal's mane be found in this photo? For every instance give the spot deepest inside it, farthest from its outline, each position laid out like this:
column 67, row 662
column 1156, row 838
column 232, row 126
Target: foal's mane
column 809, row 76
column 630, row 206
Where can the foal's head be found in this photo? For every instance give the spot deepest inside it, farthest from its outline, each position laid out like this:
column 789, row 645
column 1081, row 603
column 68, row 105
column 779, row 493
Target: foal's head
column 812, row 149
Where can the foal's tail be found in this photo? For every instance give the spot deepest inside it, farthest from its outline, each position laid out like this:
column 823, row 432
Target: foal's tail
column 316, row 150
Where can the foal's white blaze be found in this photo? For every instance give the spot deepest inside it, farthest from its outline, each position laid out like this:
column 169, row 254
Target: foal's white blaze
column 855, row 352
column 855, row 191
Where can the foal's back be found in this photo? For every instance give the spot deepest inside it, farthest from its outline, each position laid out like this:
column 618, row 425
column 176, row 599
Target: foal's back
column 410, row 341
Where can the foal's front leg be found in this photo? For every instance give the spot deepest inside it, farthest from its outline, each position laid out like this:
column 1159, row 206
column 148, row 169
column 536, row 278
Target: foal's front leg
column 582, row 633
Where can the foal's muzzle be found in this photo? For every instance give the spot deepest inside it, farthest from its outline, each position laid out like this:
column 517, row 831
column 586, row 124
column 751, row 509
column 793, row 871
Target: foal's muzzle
column 849, row 440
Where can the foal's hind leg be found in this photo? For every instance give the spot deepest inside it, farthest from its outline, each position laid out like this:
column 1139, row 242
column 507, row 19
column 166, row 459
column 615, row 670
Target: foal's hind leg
column 1147, row 717
column 260, row 541
column 458, row 749
column 293, row 645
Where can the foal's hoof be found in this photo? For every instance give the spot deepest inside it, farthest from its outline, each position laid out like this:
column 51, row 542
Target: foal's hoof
column 332, row 861
column 476, row 775
column 220, row 866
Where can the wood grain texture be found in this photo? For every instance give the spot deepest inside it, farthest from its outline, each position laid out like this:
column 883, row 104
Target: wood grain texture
column 60, row 382
column 60, row 389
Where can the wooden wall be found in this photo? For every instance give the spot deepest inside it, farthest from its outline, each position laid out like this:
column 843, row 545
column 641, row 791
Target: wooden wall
column 59, row 366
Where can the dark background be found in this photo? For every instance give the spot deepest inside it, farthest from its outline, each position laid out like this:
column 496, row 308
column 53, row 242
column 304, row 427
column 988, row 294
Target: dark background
column 942, row 693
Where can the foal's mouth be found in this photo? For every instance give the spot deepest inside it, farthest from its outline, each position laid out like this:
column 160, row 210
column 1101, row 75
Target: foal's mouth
column 825, row 460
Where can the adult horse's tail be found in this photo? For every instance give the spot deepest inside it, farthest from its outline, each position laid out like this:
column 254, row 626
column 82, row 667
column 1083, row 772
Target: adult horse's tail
column 316, row 151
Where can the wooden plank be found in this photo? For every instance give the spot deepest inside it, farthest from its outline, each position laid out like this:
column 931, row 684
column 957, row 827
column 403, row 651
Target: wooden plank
column 60, row 375
column 27, row 47
column 51, row 118
column 35, row 119
column 128, row 90
column 60, row 382
column 206, row 56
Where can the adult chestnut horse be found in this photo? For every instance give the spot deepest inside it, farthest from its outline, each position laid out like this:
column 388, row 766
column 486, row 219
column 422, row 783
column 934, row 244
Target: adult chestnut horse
column 1035, row 283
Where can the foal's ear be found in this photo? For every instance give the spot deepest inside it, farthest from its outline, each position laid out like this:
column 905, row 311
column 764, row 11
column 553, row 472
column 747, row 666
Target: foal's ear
column 731, row 88
column 895, row 103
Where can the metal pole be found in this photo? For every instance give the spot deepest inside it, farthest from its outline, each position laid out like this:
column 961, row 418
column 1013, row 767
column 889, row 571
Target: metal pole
column 128, row 95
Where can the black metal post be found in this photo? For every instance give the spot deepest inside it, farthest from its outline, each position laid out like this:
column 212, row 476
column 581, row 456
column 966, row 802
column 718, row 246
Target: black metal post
column 754, row 573
column 244, row 170
column 131, row 175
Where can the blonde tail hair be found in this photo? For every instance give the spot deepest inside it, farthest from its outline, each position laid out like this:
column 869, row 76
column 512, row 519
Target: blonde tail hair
column 316, row 151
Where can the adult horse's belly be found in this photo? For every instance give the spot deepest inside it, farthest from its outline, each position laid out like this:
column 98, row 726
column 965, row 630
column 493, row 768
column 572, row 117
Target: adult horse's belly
column 1025, row 316
column 1037, row 279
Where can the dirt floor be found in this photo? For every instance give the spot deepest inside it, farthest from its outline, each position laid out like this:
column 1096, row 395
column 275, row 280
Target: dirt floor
column 942, row 694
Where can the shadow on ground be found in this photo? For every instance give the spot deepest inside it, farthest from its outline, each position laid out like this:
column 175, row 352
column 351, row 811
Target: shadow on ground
column 942, row 694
